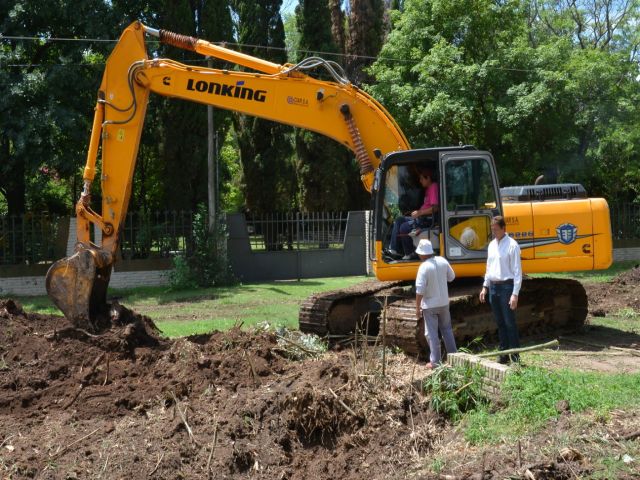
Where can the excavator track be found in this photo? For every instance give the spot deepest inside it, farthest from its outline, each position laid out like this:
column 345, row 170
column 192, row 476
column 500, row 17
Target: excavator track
column 339, row 312
column 546, row 306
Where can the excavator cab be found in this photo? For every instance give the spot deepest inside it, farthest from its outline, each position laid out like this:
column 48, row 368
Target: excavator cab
column 459, row 230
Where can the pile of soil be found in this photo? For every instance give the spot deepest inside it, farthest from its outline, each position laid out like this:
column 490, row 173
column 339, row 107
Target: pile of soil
column 622, row 292
column 128, row 403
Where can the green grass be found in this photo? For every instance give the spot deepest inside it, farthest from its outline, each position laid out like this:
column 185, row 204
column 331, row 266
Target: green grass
column 531, row 396
column 187, row 312
column 596, row 276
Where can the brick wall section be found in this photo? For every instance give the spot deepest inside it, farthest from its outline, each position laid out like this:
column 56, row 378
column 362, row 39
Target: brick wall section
column 35, row 285
column 494, row 373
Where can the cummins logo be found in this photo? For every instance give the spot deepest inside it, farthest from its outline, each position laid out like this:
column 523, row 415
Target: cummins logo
column 235, row 91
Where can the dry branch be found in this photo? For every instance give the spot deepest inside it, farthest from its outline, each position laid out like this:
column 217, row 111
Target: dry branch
column 344, row 405
column 552, row 343
column 184, row 418
column 84, row 381
column 630, row 436
column 56, row 455
column 213, row 445
column 157, row 465
column 253, row 370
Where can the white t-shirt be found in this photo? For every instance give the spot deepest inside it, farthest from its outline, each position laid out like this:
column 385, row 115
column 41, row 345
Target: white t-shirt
column 431, row 282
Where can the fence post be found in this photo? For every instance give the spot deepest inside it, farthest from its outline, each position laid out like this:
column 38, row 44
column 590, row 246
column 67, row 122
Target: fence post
column 298, row 259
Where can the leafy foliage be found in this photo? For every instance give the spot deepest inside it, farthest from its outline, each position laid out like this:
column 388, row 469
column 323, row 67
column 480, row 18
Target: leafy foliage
column 520, row 79
column 455, row 390
column 208, row 264
column 45, row 96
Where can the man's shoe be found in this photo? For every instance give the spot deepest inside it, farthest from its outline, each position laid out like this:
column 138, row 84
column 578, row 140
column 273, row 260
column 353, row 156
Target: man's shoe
column 411, row 256
column 504, row 359
column 393, row 254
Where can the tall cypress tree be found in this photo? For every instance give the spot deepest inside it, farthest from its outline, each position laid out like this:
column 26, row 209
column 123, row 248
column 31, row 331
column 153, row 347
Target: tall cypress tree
column 265, row 146
column 172, row 163
column 337, row 24
column 184, row 124
column 365, row 37
column 326, row 173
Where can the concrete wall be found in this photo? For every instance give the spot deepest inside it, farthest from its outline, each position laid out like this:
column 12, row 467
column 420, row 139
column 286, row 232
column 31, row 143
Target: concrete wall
column 34, row 285
column 622, row 254
column 251, row 266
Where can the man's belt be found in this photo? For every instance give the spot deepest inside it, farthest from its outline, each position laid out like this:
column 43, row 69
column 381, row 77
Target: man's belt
column 503, row 282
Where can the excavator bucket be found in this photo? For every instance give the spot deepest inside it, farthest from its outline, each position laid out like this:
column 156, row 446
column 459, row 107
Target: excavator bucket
column 78, row 285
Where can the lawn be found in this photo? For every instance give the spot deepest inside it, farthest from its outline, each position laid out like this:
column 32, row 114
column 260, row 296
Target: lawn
column 187, row 312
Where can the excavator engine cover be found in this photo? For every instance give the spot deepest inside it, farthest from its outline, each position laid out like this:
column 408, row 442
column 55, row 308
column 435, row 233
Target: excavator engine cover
column 78, row 285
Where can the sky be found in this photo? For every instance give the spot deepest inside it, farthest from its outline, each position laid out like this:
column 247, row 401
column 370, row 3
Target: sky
column 288, row 6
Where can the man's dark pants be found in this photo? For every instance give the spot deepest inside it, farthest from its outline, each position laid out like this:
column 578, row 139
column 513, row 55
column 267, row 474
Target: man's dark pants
column 499, row 296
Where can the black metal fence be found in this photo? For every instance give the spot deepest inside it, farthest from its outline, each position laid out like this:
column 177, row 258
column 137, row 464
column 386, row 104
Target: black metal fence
column 297, row 230
column 30, row 239
column 625, row 220
column 156, row 234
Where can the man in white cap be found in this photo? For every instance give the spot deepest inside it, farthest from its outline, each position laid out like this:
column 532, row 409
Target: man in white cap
column 432, row 301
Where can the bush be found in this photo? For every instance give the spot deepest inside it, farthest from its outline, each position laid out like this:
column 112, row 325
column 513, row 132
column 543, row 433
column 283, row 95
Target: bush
column 209, row 264
column 455, row 390
column 181, row 277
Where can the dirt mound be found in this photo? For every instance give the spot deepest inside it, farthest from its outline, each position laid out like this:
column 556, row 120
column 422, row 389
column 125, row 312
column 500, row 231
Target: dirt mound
column 630, row 277
column 620, row 294
column 129, row 403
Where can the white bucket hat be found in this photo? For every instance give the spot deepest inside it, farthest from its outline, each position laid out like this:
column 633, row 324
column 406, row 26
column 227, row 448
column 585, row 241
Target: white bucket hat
column 424, row 247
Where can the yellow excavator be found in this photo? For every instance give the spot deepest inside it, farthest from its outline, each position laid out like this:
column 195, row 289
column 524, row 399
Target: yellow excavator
column 558, row 227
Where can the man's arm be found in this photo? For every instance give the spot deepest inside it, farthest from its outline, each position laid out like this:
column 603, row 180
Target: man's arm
column 450, row 273
column 487, row 282
column 418, row 302
column 516, row 268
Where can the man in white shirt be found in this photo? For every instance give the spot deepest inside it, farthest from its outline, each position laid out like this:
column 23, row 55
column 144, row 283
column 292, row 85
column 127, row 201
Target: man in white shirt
column 502, row 281
column 432, row 301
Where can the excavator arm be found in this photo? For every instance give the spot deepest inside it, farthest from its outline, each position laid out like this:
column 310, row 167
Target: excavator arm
column 281, row 93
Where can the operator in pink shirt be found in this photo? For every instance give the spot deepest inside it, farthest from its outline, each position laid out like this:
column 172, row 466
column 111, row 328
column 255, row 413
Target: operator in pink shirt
column 401, row 242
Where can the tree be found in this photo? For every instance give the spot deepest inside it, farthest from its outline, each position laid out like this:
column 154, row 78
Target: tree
column 365, row 37
column 327, row 176
column 46, row 99
column 338, row 25
column 265, row 146
column 172, row 163
column 519, row 78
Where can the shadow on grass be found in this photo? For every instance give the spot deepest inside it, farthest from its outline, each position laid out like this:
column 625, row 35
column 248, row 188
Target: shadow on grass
column 165, row 295
column 595, row 338
column 591, row 338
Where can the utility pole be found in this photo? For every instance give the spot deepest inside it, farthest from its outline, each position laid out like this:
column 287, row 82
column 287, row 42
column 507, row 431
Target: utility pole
column 211, row 174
